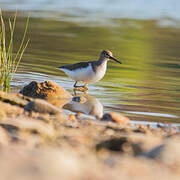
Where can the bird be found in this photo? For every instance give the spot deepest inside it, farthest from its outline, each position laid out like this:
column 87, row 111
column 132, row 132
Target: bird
column 90, row 71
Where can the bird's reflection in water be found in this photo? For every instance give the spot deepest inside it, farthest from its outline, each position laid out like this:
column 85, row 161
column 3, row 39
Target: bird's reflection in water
column 86, row 104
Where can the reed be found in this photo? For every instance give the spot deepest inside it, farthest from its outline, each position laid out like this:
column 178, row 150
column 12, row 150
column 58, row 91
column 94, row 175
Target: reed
column 9, row 61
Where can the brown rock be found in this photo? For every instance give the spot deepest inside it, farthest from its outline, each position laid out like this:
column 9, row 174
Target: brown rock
column 116, row 117
column 42, row 106
column 44, row 90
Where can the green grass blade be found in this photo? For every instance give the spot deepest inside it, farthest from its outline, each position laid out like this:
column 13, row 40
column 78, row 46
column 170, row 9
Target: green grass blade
column 9, row 63
column 22, row 41
column 20, row 57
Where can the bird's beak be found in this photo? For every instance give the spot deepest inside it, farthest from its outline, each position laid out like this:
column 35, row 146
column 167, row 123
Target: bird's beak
column 110, row 57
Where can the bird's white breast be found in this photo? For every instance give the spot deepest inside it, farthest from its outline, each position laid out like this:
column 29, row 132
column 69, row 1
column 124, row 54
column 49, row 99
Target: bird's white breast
column 87, row 74
column 100, row 72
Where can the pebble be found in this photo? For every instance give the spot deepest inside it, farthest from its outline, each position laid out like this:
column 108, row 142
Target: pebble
column 116, row 117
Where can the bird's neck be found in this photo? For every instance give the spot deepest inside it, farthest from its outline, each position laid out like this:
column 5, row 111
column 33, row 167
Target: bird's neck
column 102, row 61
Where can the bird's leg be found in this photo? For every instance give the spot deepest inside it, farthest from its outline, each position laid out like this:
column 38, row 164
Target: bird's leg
column 75, row 84
column 80, row 88
column 75, row 87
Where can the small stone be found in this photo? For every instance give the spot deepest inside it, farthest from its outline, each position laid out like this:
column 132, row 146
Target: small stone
column 116, row 117
column 72, row 117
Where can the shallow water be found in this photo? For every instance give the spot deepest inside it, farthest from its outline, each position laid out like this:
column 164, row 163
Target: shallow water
column 145, row 87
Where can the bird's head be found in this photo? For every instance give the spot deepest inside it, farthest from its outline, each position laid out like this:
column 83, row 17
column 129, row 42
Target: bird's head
column 107, row 55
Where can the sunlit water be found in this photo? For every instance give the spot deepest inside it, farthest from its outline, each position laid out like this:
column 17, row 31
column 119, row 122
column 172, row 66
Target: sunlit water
column 146, row 87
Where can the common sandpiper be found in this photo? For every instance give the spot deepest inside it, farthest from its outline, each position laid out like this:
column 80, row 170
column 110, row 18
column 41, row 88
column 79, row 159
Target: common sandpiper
column 88, row 72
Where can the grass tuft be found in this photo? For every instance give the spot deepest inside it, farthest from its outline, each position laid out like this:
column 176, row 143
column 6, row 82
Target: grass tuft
column 9, row 61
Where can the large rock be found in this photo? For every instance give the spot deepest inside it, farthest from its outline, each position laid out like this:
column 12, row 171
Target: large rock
column 42, row 106
column 44, row 90
column 86, row 104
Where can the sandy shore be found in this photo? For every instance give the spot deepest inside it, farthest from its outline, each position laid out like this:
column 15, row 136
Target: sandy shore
column 38, row 140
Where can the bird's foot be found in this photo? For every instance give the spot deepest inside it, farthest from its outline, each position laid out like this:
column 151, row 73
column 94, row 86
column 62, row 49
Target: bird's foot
column 83, row 89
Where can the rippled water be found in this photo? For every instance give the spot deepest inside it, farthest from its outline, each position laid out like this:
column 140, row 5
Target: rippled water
column 146, row 87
